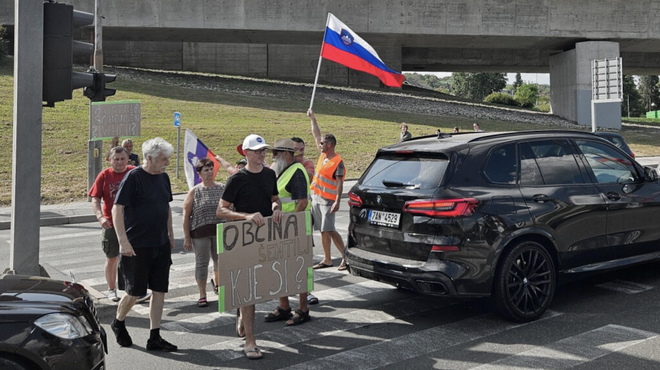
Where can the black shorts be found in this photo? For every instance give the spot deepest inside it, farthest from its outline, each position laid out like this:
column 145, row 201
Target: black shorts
column 149, row 268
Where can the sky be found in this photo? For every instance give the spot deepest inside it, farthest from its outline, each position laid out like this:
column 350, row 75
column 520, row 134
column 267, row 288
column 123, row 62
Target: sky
column 540, row 78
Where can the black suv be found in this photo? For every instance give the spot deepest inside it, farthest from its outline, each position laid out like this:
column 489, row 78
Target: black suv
column 505, row 215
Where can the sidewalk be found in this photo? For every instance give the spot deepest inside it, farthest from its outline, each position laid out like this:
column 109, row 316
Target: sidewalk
column 81, row 212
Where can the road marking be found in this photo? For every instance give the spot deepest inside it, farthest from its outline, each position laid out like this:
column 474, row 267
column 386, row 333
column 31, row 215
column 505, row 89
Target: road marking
column 387, row 352
column 70, row 236
column 318, row 328
column 627, row 287
column 195, row 324
column 572, row 351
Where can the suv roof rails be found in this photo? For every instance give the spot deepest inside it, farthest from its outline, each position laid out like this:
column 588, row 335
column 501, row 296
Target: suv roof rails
column 527, row 133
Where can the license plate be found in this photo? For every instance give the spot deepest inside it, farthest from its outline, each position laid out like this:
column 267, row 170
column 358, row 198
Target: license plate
column 380, row 218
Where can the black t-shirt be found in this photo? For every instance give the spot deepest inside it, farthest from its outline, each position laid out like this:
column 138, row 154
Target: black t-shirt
column 252, row 192
column 146, row 199
column 298, row 185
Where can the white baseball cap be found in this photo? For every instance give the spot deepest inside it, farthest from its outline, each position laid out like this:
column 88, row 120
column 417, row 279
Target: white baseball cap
column 254, row 142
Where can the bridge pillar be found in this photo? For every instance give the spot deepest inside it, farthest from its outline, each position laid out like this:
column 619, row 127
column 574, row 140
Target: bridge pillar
column 570, row 78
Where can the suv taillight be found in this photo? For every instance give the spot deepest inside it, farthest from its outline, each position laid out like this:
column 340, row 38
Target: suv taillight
column 441, row 207
column 354, row 199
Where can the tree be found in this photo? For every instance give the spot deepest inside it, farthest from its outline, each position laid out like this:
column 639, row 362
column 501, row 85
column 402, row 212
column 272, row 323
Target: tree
column 648, row 89
column 631, row 98
column 517, row 83
column 527, row 95
column 477, row 86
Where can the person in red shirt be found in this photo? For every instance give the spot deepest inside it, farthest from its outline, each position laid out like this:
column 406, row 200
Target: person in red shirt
column 103, row 192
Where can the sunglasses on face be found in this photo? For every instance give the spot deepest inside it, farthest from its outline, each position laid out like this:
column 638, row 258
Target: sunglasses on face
column 259, row 151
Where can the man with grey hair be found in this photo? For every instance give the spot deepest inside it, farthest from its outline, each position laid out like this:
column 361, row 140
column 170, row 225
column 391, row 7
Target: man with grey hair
column 293, row 187
column 143, row 222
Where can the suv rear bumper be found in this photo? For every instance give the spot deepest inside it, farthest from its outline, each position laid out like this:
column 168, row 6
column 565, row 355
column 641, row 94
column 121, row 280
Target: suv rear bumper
column 414, row 278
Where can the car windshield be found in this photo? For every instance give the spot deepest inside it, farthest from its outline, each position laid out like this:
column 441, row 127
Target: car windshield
column 410, row 172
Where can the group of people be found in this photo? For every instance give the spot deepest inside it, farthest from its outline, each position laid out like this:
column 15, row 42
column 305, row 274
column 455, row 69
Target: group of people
column 407, row 135
column 132, row 206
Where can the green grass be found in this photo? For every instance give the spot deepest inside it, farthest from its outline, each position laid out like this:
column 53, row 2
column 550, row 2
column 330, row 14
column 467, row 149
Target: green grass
column 221, row 119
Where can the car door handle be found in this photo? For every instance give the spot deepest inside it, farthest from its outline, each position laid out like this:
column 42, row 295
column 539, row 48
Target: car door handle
column 540, row 198
column 613, row 195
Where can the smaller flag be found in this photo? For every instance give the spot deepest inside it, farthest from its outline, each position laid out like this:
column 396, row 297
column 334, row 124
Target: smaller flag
column 195, row 150
column 343, row 46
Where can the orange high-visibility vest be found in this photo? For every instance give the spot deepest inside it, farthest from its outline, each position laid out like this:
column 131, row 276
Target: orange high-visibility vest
column 323, row 184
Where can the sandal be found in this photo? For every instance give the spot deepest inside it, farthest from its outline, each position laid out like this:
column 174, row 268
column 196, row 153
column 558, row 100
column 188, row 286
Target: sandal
column 311, row 299
column 282, row 314
column 202, row 302
column 299, row 318
column 239, row 324
column 321, row 265
column 342, row 266
column 215, row 287
column 257, row 353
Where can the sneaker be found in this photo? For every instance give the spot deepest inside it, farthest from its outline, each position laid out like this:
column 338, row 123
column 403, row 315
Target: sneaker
column 145, row 297
column 123, row 339
column 160, row 344
column 112, row 295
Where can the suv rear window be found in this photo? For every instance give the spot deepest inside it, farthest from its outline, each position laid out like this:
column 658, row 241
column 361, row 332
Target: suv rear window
column 412, row 172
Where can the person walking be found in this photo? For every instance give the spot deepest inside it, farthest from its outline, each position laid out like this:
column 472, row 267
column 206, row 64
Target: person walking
column 251, row 194
column 327, row 186
column 133, row 158
column 405, row 134
column 143, row 222
column 293, row 187
column 103, row 193
column 199, row 226
column 299, row 146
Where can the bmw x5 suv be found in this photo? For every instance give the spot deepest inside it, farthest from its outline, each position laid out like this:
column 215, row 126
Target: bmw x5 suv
column 505, row 215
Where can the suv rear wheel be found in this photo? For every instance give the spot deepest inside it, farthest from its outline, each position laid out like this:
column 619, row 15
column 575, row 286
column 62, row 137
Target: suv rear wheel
column 525, row 282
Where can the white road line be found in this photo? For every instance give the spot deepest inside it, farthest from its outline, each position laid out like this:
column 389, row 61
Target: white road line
column 626, row 287
column 315, row 329
column 195, row 324
column 573, row 351
column 70, row 236
column 392, row 351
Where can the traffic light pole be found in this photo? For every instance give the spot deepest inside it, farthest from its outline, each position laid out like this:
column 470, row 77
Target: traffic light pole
column 95, row 147
column 26, row 153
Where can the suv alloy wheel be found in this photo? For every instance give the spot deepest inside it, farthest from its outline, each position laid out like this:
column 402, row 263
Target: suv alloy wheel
column 525, row 282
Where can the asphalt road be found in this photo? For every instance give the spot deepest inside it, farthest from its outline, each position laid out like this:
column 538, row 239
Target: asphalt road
column 608, row 322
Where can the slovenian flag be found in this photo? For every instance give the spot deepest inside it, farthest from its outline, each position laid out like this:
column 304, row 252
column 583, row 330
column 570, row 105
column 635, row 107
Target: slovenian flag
column 195, row 150
column 343, row 46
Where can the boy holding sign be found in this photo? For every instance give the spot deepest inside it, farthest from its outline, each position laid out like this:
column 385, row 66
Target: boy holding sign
column 252, row 193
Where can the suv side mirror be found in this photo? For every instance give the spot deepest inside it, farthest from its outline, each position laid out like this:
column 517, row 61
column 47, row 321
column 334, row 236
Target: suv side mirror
column 650, row 174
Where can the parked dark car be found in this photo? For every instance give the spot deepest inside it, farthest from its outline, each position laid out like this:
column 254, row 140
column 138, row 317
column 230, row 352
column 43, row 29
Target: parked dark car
column 505, row 215
column 48, row 324
column 617, row 140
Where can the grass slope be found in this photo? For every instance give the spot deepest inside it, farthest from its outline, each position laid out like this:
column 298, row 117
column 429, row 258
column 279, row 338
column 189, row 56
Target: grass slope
column 221, row 111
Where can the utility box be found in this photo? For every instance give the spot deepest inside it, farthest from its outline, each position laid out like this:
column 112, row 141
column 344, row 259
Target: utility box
column 653, row 114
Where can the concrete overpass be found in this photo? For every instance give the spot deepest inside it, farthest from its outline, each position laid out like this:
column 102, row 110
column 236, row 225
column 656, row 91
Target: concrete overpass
column 281, row 39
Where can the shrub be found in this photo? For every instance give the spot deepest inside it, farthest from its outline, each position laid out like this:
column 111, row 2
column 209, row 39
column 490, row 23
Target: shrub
column 3, row 44
column 501, row 98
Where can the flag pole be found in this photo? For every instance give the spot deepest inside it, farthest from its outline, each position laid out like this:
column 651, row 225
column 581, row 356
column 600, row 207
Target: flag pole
column 318, row 69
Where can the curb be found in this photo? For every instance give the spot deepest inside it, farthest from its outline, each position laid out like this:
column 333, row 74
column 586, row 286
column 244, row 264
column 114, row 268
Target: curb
column 51, row 221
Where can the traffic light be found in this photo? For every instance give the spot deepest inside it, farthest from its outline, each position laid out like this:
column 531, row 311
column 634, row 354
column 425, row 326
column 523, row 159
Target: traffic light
column 97, row 90
column 59, row 79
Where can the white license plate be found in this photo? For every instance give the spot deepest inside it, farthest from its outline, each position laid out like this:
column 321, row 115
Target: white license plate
column 380, row 218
